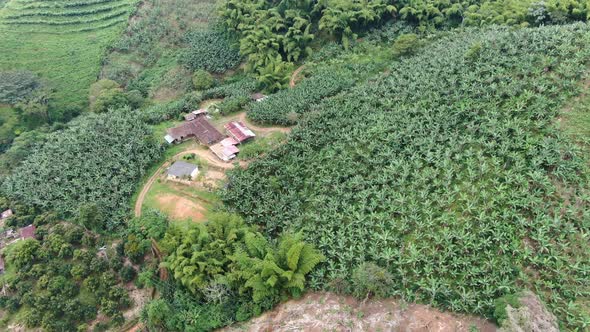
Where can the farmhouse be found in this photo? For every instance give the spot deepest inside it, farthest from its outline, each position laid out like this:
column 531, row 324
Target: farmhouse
column 199, row 128
column 6, row 214
column 181, row 170
column 258, row 97
column 238, row 131
column 225, row 150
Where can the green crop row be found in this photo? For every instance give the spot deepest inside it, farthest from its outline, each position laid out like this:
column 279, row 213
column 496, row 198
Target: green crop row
column 82, row 12
column 82, row 20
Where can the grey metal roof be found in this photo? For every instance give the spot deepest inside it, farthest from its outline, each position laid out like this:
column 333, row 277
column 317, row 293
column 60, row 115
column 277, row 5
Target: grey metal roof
column 181, row 168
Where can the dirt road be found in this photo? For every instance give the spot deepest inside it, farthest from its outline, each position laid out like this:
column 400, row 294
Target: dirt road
column 212, row 162
column 205, row 154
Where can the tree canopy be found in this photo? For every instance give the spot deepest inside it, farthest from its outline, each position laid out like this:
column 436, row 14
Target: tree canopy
column 97, row 159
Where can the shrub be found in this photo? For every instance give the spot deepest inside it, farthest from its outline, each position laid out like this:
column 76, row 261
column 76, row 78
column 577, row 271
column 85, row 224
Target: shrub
column 155, row 313
column 127, row 273
column 17, row 86
column 97, row 88
column 501, row 303
column 368, row 279
column 202, row 80
column 232, row 104
column 406, row 44
column 108, row 100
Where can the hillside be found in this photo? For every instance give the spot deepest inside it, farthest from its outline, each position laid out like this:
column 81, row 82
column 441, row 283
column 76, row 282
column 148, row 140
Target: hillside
column 447, row 169
column 194, row 165
column 62, row 41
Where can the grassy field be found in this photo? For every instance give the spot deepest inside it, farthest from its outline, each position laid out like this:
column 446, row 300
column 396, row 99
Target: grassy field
column 62, row 41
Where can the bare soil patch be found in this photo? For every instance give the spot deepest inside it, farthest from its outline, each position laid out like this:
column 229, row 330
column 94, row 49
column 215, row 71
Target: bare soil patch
column 180, row 208
column 139, row 297
column 330, row 312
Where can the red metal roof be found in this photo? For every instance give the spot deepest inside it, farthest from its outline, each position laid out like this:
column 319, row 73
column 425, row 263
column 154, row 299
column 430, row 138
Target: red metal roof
column 239, row 131
column 229, row 150
column 27, row 232
column 228, row 141
column 199, row 128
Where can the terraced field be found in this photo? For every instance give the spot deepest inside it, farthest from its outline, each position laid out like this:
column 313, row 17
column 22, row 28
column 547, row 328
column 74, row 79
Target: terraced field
column 62, row 40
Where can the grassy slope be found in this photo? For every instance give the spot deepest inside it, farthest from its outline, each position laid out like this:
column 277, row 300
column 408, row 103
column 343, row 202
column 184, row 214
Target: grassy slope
column 149, row 50
column 8, row 122
column 69, row 60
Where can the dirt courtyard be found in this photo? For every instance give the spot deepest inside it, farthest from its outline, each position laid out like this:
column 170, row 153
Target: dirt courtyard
column 180, row 208
column 318, row 312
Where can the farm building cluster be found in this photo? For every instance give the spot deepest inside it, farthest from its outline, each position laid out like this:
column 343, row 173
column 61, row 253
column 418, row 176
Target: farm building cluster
column 197, row 126
column 11, row 236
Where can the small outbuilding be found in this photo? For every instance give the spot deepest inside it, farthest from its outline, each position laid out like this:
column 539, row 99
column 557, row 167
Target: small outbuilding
column 238, row 131
column 225, row 150
column 182, row 170
column 27, row 232
column 195, row 114
column 258, row 97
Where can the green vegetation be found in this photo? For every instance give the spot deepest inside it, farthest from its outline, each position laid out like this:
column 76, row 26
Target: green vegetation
column 202, row 80
column 273, row 34
column 210, row 50
column 232, row 272
column 8, row 126
column 286, row 106
column 576, row 121
column 448, row 170
column 40, row 35
column 154, row 55
column 98, row 159
column 261, row 145
column 58, row 282
column 17, row 86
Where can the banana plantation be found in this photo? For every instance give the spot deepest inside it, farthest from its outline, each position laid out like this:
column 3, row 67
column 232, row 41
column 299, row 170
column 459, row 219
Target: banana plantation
column 448, row 170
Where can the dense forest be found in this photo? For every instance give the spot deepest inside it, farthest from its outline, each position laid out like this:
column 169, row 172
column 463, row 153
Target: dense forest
column 430, row 151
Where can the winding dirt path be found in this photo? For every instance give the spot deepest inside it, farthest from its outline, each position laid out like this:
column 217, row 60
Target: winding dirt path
column 294, row 76
column 205, row 154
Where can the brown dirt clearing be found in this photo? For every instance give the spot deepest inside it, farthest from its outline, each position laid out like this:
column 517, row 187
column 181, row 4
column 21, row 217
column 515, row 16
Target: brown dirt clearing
column 329, row 312
column 180, row 208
